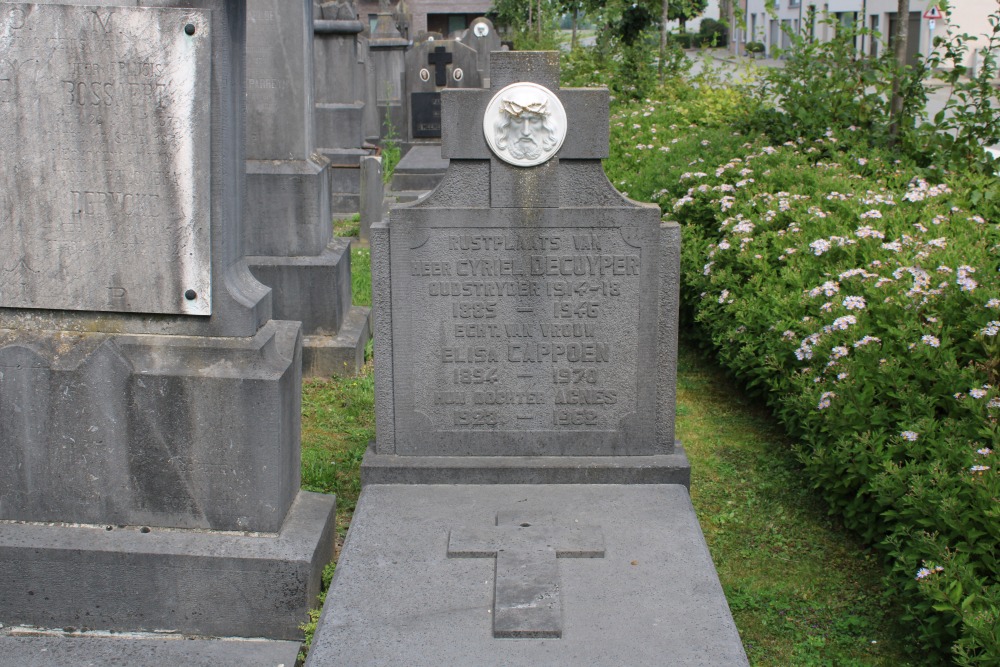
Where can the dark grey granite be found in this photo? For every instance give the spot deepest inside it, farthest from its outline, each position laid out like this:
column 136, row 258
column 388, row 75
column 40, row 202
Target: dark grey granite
column 126, row 651
column 179, row 432
column 398, row 599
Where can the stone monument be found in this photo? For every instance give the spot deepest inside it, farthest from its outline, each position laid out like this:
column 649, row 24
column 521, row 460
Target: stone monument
column 524, row 502
column 483, row 37
column 149, row 403
column 341, row 96
column 289, row 232
column 431, row 66
column 386, row 49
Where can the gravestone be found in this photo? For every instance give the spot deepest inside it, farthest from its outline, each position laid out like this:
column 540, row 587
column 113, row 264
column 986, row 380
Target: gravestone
column 149, row 403
column 289, row 233
column 431, row 66
column 524, row 501
column 372, row 195
column 529, row 312
column 483, row 37
column 387, row 49
column 341, row 94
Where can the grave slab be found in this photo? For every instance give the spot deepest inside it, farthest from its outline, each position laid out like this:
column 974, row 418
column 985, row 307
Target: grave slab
column 421, row 169
column 651, row 598
column 75, row 651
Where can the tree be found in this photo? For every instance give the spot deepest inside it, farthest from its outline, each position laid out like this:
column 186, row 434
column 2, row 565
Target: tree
column 685, row 10
column 899, row 55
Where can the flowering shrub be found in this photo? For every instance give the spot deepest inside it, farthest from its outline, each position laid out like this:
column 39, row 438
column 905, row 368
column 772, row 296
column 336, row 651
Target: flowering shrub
column 865, row 305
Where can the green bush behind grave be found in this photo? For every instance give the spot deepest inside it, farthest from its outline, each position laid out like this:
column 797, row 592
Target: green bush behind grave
column 891, row 393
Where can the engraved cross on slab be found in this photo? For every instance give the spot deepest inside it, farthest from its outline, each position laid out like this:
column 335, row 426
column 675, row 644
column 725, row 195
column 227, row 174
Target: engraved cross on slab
column 526, row 595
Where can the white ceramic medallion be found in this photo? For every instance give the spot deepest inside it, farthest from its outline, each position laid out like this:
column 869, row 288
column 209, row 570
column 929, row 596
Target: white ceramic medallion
column 525, row 124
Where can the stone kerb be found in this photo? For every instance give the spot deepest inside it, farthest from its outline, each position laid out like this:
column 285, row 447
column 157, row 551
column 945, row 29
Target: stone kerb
column 526, row 327
column 149, row 403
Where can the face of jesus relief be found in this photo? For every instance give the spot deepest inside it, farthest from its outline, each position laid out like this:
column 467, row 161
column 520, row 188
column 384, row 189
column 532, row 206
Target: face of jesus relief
column 525, row 124
column 525, row 129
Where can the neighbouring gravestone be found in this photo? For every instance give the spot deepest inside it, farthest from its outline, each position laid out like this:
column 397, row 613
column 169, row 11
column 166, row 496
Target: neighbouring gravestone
column 387, row 49
column 289, row 232
column 482, row 37
column 431, row 66
column 372, row 195
column 524, row 502
column 341, row 94
column 149, row 403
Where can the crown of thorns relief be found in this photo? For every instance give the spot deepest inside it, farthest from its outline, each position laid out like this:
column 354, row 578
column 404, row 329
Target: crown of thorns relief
column 515, row 110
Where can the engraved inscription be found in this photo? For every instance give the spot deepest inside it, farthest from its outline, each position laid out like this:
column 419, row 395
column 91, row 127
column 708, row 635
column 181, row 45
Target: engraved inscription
column 105, row 161
column 528, row 332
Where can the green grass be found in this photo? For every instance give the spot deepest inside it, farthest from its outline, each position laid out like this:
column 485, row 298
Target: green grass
column 349, row 226
column 802, row 590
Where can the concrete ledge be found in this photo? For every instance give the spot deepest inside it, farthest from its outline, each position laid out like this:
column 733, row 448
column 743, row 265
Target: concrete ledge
column 139, row 579
column 391, row 469
column 343, row 354
column 638, row 589
column 73, row 651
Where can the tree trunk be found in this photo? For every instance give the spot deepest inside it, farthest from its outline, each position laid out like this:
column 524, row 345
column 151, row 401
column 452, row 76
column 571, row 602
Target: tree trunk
column 538, row 22
column 572, row 41
column 899, row 53
column 663, row 39
column 531, row 6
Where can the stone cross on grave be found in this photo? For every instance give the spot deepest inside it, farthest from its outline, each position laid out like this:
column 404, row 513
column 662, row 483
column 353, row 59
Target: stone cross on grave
column 584, row 131
column 526, row 599
column 439, row 59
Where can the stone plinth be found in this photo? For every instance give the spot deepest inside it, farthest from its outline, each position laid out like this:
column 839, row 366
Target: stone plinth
column 149, row 402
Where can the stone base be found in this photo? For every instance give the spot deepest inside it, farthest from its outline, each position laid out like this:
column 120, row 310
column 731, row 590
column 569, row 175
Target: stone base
column 422, row 168
column 288, row 206
column 391, row 469
column 634, row 583
column 74, row 651
column 134, row 579
column 314, row 290
column 343, row 354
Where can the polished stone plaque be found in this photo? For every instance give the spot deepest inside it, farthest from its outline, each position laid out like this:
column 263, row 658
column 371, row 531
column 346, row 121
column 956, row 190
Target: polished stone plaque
column 425, row 114
column 105, row 160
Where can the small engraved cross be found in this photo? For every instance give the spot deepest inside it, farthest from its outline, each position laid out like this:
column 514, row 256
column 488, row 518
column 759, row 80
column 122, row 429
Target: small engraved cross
column 440, row 58
column 526, row 587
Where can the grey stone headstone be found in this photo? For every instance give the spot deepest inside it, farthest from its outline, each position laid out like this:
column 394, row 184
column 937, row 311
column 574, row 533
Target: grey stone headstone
column 431, row 66
column 341, row 99
column 485, row 39
column 525, row 311
column 143, row 381
column 289, row 232
column 372, row 194
column 387, row 48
